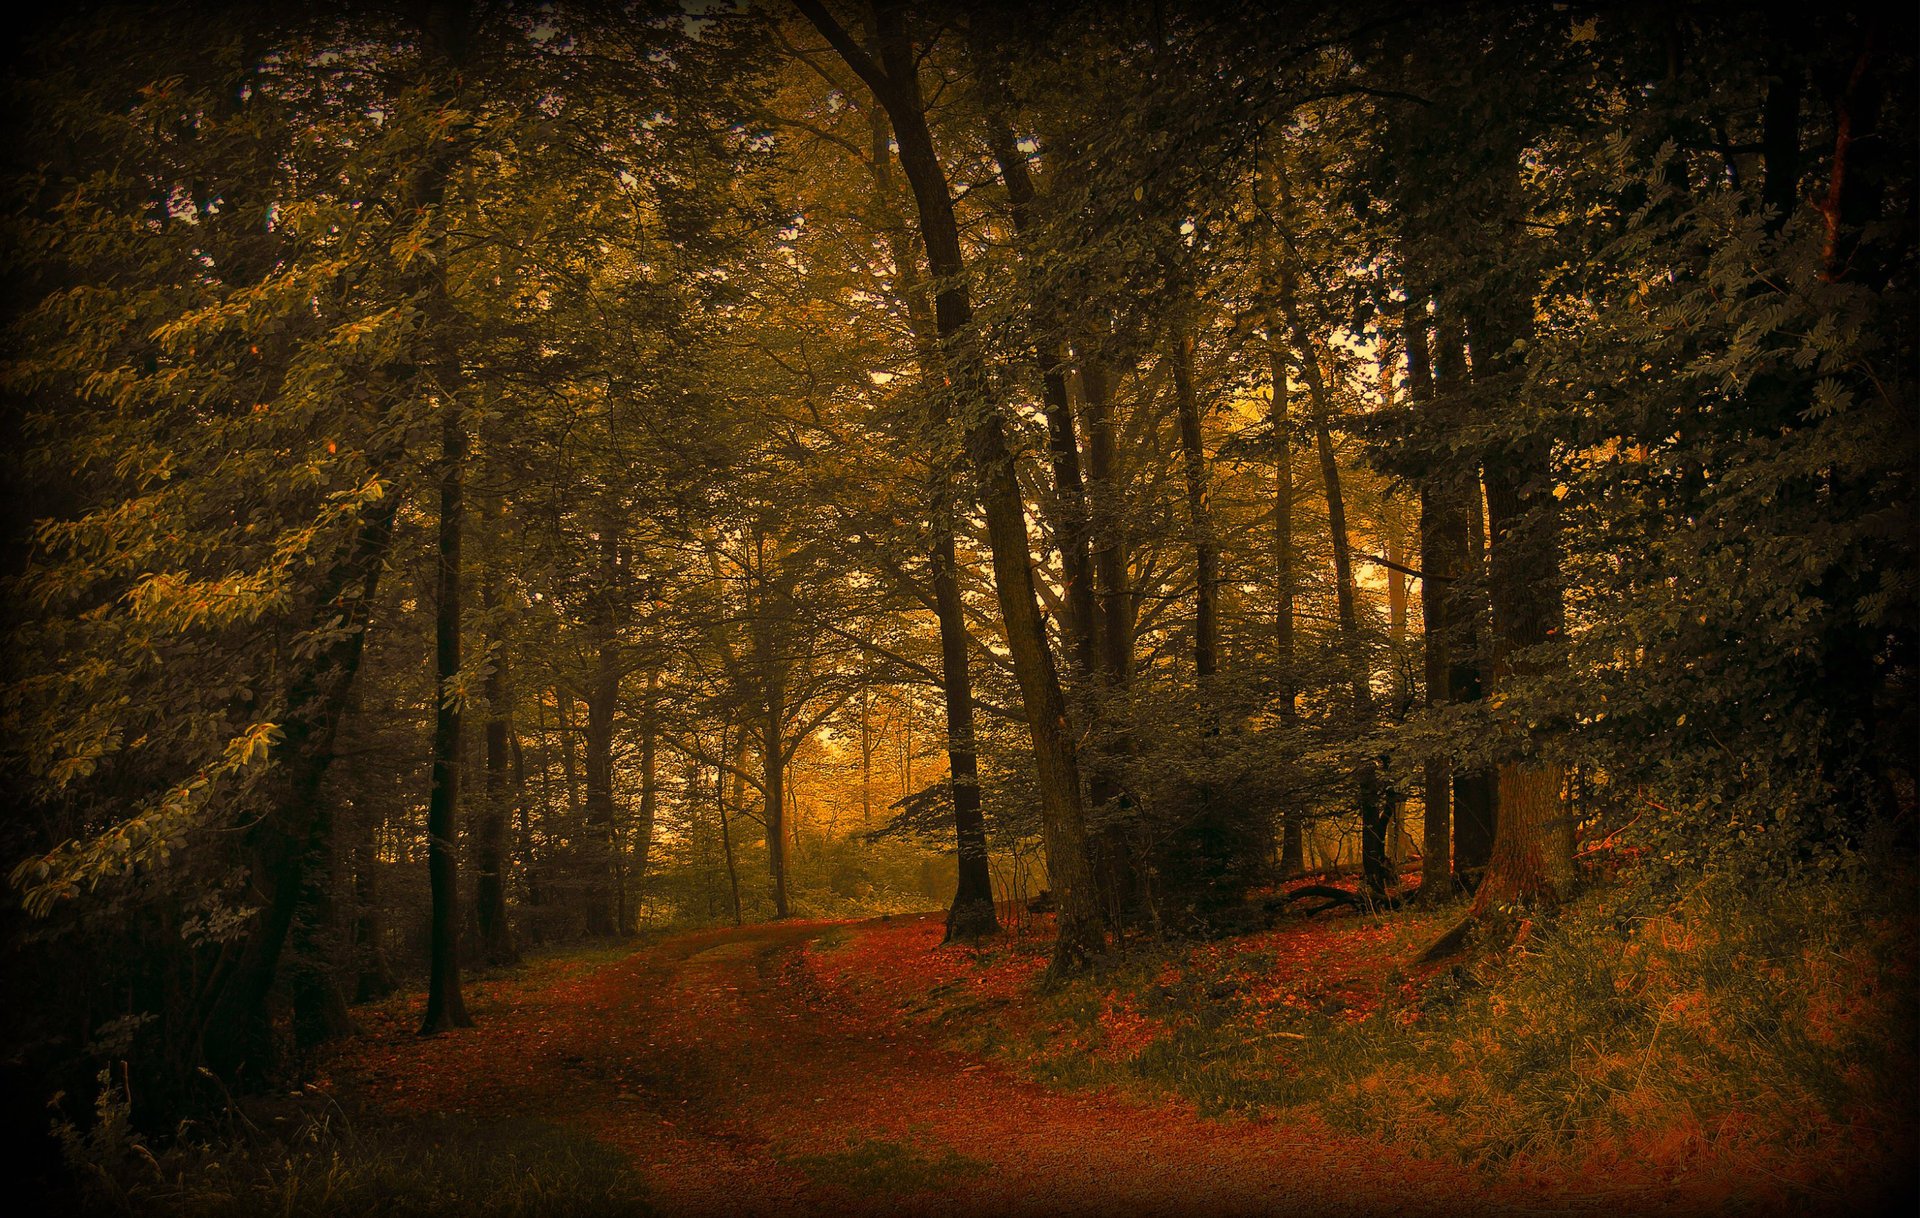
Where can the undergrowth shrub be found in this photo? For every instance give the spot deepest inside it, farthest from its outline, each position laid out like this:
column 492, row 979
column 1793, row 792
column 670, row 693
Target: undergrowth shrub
column 318, row 1166
column 1760, row 1024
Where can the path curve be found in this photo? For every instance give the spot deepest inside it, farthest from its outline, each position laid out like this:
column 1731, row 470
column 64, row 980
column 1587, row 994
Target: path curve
column 738, row 1084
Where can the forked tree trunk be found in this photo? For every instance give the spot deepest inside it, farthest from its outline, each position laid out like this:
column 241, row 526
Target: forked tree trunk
column 895, row 83
column 971, row 914
column 232, row 1035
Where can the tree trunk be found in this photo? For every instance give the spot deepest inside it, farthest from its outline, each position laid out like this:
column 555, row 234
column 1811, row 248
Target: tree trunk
column 490, row 846
column 569, row 771
column 600, row 842
column 373, row 976
column 1533, row 840
column 1069, row 499
column 1475, row 792
column 1112, row 852
column 1286, row 693
column 231, row 1027
column 1440, row 540
column 720, row 797
column 319, row 1008
column 1373, row 837
column 1206, row 557
column 971, row 914
column 773, row 770
column 649, row 785
column 896, row 86
column 445, row 1006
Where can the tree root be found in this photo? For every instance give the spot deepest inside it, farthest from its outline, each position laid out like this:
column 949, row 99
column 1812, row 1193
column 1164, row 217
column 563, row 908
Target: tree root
column 1330, row 897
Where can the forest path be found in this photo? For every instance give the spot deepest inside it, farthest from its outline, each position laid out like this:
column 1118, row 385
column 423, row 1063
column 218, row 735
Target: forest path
column 738, row 1084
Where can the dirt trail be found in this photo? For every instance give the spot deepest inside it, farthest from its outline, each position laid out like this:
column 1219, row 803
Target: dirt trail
column 738, row 1085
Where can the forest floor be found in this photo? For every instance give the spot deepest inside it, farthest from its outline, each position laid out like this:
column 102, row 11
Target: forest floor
column 814, row 1067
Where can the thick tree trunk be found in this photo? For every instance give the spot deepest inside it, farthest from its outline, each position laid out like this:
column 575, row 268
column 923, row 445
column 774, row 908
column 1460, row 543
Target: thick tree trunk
column 1533, row 841
column 896, row 85
column 1463, row 527
column 319, row 1007
column 446, row 1008
column 233, row 1037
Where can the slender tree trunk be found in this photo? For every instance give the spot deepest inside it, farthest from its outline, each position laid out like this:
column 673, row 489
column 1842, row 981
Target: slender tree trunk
column 896, row 85
column 1111, row 851
column 726, row 835
column 1373, row 853
column 773, row 776
column 374, row 977
column 1292, row 835
column 971, row 915
column 1206, row 556
column 649, row 784
column 601, row 839
column 1069, row 499
column 1440, row 540
column 490, row 848
column 569, row 771
column 445, row 1006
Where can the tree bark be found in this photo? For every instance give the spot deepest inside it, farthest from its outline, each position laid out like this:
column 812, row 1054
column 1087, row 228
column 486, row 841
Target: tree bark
column 895, row 84
column 971, row 914
column 490, row 847
column 1373, row 839
column 1532, row 858
column 1440, row 538
column 446, row 1008
column 1286, row 693
column 600, row 841
column 1206, row 555
column 720, row 797
column 232, row 1032
column 649, row 784
column 1463, row 528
